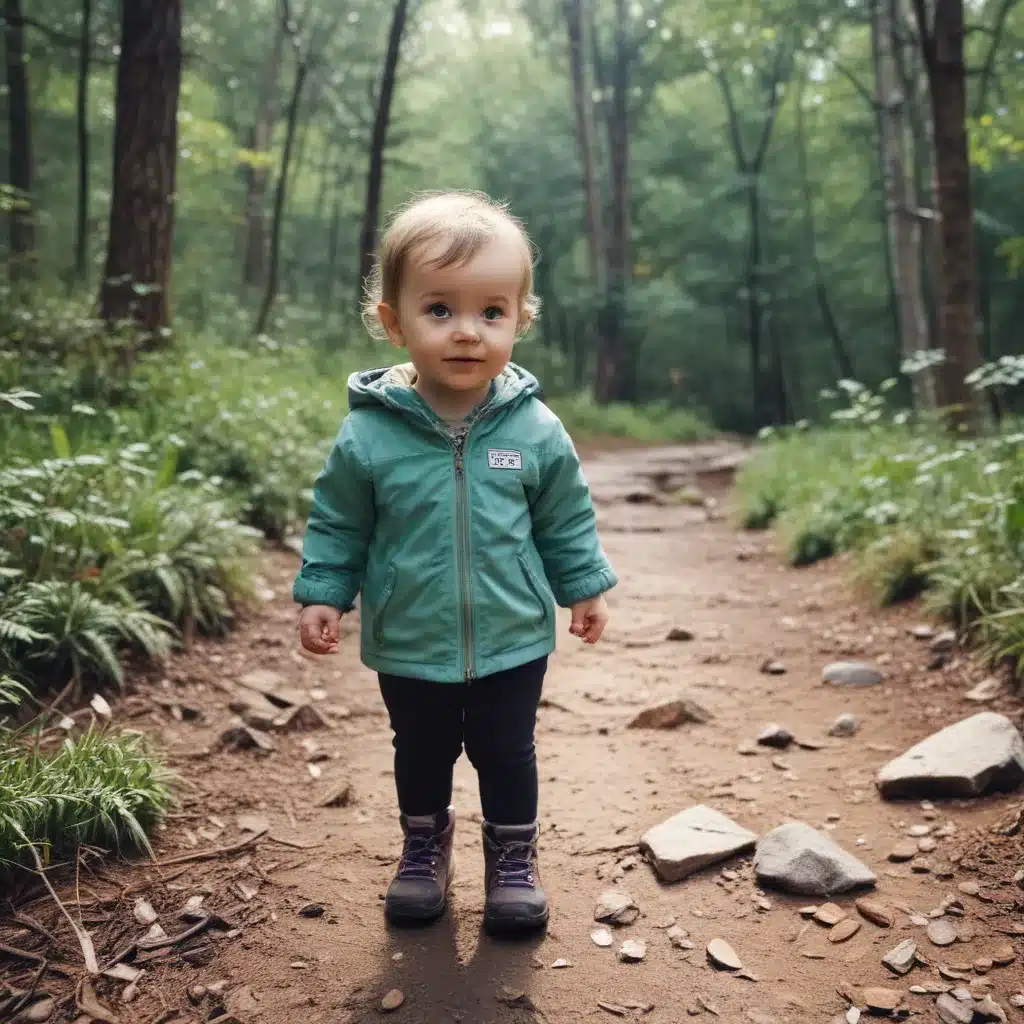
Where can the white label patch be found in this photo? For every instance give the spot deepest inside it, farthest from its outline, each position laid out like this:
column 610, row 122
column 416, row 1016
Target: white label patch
column 501, row 458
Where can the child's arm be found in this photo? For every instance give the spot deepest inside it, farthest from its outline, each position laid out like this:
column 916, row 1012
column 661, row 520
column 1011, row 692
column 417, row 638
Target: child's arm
column 339, row 528
column 565, row 532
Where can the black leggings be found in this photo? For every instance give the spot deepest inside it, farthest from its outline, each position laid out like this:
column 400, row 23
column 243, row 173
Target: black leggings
column 494, row 717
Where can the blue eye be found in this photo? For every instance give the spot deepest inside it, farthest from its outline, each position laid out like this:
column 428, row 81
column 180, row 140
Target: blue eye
column 439, row 310
column 493, row 313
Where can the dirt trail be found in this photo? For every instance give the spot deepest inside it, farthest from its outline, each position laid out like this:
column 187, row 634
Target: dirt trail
column 602, row 785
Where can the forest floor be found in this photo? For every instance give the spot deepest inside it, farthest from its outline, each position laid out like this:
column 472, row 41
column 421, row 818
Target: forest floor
column 301, row 934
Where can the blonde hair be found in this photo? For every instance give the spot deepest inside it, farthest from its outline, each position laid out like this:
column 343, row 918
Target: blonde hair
column 465, row 221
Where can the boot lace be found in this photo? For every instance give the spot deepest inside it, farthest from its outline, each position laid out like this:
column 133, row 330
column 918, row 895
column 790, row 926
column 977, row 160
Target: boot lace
column 419, row 857
column 515, row 865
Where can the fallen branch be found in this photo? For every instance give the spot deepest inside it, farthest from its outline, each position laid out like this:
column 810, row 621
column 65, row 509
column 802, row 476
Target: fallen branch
column 293, row 843
column 27, row 996
column 86, row 1001
column 220, row 851
column 21, row 954
column 172, row 940
column 33, row 925
column 84, row 940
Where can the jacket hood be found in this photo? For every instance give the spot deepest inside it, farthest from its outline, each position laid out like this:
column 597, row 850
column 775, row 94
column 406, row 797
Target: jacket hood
column 392, row 386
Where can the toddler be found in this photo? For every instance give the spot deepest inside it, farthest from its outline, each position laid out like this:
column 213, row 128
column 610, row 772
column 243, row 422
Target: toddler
column 453, row 500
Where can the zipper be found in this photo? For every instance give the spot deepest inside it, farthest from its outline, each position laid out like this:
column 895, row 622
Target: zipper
column 463, row 554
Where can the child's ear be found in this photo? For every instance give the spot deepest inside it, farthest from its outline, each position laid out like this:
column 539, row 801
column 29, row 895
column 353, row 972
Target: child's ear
column 389, row 321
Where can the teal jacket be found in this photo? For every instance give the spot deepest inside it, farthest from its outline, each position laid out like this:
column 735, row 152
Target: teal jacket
column 460, row 546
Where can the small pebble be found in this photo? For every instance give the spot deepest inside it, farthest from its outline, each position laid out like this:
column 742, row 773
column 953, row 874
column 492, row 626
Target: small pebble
column 392, row 1001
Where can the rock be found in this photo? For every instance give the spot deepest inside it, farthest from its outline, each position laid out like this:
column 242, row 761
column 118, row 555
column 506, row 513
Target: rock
column 679, row 634
column 560, row 964
column 901, row 959
column 1017, row 1000
column 722, row 955
column 942, row 932
column 311, row 910
column 952, row 1011
column 775, row 735
column 917, row 831
column 985, row 751
column 986, row 690
column 616, row 907
column 845, row 725
column 679, row 937
column 904, row 850
column 692, row 840
column 1018, row 879
column 392, row 1000
column 255, row 710
column 601, row 937
column 829, row 914
column 1004, row 955
column 846, row 929
column 340, row 795
column 883, row 1000
column 253, row 823
column 263, row 680
column 920, row 866
column 671, row 715
column 300, row 718
column 989, row 1009
column 921, row 632
column 243, row 737
column 927, row 844
column 853, row 1015
column 943, row 643
column 799, row 859
column 851, row 673
column 144, row 912
column 632, row 951
column 41, row 1010
column 773, row 668
column 874, row 912
column 969, row 888
column 757, row 1017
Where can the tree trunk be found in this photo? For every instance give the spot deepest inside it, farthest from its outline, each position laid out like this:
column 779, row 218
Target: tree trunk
column 583, row 109
column 22, row 217
column 280, row 193
column 374, row 177
column 843, row 360
column 943, row 47
column 82, row 124
column 136, row 279
column 903, row 224
column 254, row 257
column 616, row 361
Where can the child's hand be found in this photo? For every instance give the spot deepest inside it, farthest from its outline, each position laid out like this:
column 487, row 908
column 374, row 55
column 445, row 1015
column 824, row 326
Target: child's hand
column 318, row 628
column 589, row 619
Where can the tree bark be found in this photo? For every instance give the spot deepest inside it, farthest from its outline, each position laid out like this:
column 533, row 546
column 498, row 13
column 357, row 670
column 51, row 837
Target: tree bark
column 843, row 361
column 616, row 360
column 280, row 193
column 943, row 47
column 902, row 221
column 137, row 276
column 82, row 125
column 375, row 174
column 254, row 257
column 20, row 169
column 583, row 110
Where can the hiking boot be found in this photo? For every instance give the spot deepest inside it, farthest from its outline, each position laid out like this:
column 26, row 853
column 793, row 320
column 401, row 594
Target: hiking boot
column 514, row 898
column 419, row 891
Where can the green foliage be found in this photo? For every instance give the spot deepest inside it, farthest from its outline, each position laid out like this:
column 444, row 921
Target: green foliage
column 100, row 789
column 655, row 423
column 922, row 511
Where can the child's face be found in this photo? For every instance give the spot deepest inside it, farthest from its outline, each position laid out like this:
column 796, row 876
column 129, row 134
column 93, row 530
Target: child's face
column 459, row 322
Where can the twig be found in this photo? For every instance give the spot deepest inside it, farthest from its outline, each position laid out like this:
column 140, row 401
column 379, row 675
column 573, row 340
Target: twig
column 88, row 952
column 24, row 1001
column 293, row 843
column 32, row 924
column 21, row 954
column 173, row 940
column 220, row 851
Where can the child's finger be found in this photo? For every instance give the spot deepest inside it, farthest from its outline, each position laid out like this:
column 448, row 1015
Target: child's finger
column 312, row 638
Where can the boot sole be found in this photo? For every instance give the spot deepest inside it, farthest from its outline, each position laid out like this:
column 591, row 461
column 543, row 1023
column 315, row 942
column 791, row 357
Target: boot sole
column 513, row 924
column 422, row 915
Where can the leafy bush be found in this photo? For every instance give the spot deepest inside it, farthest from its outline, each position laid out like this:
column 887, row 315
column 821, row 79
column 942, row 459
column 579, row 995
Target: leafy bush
column 922, row 511
column 652, row 424
column 100, row 789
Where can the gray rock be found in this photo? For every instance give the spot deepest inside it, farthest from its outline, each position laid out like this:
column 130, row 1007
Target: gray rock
column 775, row 735
column 942, row 932
column 671, row 715
column 692, row 840
column 722, row 955
column 901, row 959
column 845, row 725
column 851, row 673
column 614, row 907
column 944, row 642
column 986, row 690
column 632, row 951
column 952, row 1011
column 983, row 752
column 799, row 859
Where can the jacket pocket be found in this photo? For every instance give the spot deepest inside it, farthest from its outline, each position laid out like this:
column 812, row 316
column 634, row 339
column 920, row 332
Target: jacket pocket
column 535, row 588
column 382, row 605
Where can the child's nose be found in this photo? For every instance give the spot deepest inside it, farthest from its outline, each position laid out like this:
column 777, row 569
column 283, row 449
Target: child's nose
column 464, row 328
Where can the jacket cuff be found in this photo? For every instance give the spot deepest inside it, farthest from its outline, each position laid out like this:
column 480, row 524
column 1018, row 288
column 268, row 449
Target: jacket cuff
column 338, row 592
column 585, row 587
